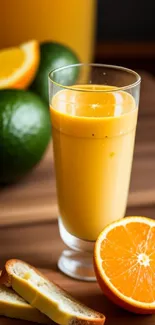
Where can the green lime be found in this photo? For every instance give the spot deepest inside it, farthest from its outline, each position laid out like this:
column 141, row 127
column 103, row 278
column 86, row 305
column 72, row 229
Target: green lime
column 24, row 133
column 54, row 55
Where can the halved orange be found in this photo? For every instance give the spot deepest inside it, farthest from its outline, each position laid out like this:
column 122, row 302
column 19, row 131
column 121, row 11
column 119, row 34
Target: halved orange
column 125, row 263
column 18, row 65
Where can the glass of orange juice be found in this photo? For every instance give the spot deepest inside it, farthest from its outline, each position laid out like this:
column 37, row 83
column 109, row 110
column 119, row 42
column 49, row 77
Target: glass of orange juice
column 94, row 122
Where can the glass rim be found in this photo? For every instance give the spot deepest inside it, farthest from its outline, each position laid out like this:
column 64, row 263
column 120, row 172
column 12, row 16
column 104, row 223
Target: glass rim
column 99, row 65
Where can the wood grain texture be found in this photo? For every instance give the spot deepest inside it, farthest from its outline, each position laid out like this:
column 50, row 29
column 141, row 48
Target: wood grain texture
column 125, row 49
column 40, row 245
column 34, row 198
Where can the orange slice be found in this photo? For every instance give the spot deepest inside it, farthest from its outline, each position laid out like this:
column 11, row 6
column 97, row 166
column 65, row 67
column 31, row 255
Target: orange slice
column 125, row 263
column 18, row 65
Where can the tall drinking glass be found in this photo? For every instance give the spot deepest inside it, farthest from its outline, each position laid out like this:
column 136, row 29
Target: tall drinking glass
column 93, row 125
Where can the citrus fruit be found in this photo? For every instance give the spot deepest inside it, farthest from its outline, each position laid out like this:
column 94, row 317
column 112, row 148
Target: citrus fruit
column 18, row 65
column 125, row 263
column 24, row 133
column 54, row 55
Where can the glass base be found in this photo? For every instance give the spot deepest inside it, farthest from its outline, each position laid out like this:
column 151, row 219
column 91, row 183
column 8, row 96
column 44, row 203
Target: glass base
column 77, row 265
column 77, row 262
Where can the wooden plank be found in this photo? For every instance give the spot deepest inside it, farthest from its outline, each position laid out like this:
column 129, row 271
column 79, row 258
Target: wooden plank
column 147, row 98
column 40, row 245
column 122, row 49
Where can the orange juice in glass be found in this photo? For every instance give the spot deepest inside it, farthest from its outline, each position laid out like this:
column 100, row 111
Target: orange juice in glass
column 93, row 126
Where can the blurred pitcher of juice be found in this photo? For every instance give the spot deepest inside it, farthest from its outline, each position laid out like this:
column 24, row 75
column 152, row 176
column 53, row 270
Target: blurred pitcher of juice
column 71, row 22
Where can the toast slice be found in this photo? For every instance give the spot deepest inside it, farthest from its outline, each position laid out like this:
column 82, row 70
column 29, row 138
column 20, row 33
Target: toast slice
column 46, row 296
column 13, row 306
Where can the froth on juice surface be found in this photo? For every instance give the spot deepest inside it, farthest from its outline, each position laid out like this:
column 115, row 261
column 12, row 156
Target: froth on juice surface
column 93, row 137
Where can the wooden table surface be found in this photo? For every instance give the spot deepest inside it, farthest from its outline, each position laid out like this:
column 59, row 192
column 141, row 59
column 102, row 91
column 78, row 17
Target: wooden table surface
column 28, row 213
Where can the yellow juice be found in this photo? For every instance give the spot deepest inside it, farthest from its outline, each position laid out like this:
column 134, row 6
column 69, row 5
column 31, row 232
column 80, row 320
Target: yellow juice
column 93, row 137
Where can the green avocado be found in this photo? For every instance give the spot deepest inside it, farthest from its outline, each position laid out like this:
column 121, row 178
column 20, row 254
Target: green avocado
column 25, row 132
column 54, row 55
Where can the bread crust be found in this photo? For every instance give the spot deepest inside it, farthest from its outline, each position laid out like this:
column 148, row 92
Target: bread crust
column 12, row 307
column 7, row 278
